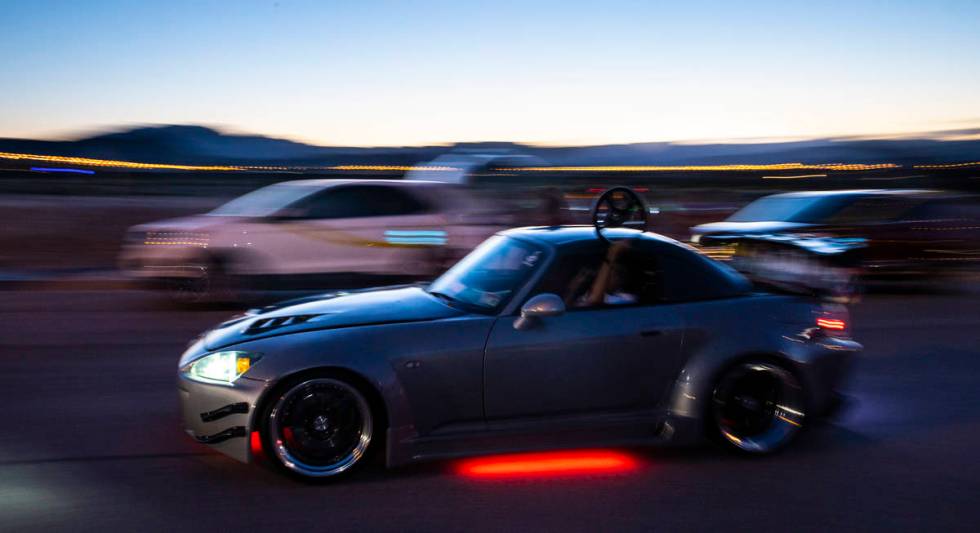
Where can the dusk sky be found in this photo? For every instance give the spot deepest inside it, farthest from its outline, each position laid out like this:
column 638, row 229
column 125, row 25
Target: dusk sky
column 564, row 72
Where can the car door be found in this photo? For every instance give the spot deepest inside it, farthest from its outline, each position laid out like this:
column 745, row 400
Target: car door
column 411, row 229
column 589, row 359
column 881, row 220
column 355, row 228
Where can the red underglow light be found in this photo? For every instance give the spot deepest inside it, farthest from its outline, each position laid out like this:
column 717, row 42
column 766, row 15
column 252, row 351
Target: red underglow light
column 831, row 323
column 548, row 464
column 255, row 442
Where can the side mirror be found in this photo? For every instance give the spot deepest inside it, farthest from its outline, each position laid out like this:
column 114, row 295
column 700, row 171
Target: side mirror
column 542, row 305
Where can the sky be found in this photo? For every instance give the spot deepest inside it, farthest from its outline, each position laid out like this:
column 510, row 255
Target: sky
column 379, row 73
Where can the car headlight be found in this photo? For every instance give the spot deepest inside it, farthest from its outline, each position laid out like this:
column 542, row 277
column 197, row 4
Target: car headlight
column 222, row 368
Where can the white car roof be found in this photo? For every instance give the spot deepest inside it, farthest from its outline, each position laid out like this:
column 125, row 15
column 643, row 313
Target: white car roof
column 327, row 183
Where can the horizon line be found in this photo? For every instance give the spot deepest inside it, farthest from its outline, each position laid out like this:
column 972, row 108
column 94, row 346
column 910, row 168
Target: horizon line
column 972, row 132
column 738, row 167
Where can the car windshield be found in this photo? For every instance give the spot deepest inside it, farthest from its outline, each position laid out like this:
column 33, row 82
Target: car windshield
column 787, row 209
column 265, row 201
column 487, row 278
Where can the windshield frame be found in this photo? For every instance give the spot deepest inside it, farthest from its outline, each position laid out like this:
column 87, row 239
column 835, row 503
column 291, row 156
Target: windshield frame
column 511, row 303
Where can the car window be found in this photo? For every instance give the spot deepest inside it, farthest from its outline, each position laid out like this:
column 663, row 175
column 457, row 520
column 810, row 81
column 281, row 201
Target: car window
column 361, row 201
column 570, row 276
column 690, row 277
column 586, row 281
column 784, row 208
column 946, row 209
column 488, row 277
column 874, row 209
column 805, row 209
column 392, row 201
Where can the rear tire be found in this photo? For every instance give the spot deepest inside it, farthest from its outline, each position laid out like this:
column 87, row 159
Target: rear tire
column 757, row 407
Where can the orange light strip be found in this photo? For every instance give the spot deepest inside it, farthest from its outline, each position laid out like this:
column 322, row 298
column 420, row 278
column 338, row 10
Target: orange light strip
column 710, row 168
column 89, row 162
column 950, row 165
column 546, row 464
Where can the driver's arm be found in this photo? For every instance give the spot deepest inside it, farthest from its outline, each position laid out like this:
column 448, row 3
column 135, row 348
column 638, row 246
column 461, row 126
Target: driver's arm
column 598, row 292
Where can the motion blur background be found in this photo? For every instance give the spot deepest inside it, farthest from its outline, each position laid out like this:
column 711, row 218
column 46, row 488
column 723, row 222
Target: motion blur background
column 118, row 114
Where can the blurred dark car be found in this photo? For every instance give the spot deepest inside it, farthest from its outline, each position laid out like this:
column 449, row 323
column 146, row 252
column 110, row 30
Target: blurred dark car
column 832, row 238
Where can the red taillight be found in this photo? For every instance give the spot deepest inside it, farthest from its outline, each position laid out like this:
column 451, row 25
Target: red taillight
column 833, row 320
column 833, row 324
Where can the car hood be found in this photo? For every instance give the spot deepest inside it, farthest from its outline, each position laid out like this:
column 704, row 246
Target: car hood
column 744, row 228
column 191, row 223
column 331, row 311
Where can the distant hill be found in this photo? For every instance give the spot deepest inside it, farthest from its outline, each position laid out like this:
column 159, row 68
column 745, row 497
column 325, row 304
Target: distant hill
column 202, row 145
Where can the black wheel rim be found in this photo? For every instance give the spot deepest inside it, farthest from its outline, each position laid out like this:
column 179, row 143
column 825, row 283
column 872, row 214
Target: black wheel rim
column 321, row 427
column 758, row 407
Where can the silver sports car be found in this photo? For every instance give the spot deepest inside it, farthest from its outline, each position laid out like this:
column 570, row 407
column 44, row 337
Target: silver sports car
column 545, row 337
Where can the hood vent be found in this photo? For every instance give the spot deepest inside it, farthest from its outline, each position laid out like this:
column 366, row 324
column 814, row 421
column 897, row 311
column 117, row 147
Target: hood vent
column 265, row 325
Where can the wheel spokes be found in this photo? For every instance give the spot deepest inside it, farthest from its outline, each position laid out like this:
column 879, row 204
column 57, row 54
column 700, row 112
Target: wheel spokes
column 323, row 427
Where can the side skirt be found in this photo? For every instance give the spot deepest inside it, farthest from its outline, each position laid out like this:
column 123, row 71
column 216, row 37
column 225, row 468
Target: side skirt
column 507, row 436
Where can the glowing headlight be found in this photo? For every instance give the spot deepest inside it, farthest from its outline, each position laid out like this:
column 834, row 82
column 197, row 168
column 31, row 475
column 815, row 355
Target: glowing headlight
column 220, row 367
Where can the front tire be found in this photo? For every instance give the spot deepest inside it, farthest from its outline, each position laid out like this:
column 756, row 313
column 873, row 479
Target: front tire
column 758, row 407
column 206, row 282
column 318, row 428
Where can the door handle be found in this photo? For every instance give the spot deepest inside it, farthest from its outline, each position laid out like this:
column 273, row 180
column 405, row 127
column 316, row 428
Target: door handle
column 650, row 333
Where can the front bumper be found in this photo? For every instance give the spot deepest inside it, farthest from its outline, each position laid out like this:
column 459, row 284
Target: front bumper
column 221, row 416
column 154, row 262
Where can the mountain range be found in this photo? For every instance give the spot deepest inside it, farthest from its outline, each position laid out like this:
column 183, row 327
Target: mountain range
column 191, row 144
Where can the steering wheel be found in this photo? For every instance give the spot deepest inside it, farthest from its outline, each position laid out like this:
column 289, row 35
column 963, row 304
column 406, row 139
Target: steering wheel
column 619, row 207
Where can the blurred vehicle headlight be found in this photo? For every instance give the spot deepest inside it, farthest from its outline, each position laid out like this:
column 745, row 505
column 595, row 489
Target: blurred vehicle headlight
column 221, row 368
column 176, row 238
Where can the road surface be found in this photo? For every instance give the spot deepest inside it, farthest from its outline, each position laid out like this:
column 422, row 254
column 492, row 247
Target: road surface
column 91, row 441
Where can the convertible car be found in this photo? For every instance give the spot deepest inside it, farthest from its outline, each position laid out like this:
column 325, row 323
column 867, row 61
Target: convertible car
column 546, row 337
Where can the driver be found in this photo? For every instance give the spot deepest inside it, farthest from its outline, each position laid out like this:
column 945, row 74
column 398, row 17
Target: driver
column 614, row 284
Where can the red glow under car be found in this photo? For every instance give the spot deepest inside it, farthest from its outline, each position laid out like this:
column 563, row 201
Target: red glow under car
column 546, row 464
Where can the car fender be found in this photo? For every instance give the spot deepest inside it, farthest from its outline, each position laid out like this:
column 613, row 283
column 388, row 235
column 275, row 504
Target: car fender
column 305, row 352
column 427, row 373
column 764, row 327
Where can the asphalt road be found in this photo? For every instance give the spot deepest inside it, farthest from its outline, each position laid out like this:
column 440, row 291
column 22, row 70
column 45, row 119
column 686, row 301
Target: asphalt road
column 90, row 441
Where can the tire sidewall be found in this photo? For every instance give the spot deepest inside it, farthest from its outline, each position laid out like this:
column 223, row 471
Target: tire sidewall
column 713, row 425
column 265, row 413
